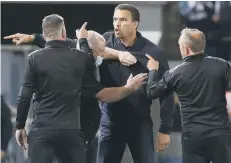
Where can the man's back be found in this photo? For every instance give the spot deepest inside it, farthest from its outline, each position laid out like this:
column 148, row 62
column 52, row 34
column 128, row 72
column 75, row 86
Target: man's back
column 200, row 84
column 59, row 71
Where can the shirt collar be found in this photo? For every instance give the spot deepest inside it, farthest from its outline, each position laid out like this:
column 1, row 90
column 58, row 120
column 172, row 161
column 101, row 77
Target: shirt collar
column 60, row 44
column 194, row 57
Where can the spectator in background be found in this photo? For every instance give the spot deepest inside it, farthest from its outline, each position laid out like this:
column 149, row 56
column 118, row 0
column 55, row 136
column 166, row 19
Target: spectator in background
column 198, row 14
column 6, row 127
column 222, row 17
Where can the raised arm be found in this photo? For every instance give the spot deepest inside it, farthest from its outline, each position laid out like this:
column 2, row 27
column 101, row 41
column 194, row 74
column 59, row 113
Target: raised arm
column 96, row 43
column 19, row 38
column 35, row 39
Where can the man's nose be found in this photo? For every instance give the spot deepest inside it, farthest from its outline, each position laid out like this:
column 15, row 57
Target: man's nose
column 117, row 23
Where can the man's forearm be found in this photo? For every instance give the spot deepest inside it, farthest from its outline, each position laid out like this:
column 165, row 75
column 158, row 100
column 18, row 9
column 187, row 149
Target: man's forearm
column 167, row 110
column 155, row 89
column 113, row 94
column 110, row 53
column 24, row 99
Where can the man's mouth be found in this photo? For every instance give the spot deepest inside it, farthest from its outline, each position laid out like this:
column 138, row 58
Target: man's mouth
column 117, row 31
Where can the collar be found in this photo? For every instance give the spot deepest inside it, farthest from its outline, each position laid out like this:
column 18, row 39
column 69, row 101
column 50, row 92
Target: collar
column 137, row 46
column 194, row 57
column 60, row 44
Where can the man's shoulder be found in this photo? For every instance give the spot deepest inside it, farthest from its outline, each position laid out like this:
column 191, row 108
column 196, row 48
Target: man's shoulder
column 155, row 51
column 36, row 53
column 178, row 68
column 216, row 59
column 152, row 46
column 108, row 35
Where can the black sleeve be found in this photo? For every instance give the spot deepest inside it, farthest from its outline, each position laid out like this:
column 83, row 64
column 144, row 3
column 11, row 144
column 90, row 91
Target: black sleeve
column 165, row 94
column 25, row 93
column 6, row 125
column 228, row 77
column 39, row 40
column 84, row 46
column 90, row 85
column 159, row 88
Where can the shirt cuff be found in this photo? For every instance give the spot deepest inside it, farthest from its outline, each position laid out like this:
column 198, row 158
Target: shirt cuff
column 165, row 129
column 152, row 76
column 19, row 126
column 84, row 46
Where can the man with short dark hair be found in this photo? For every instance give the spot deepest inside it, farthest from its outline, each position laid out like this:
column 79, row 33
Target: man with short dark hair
column 201, row 83
column 129, row 121
column 58, row 75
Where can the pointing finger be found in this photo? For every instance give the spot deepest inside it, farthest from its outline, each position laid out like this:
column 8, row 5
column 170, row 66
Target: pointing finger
column 84, row 25
column 149, row 57
column 10, row 36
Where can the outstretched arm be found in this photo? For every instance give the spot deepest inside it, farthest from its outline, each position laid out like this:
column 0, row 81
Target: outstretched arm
column 96, row 43
column 20, row 38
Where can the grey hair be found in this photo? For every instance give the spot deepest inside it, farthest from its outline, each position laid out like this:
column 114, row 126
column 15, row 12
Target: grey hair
column 194, row 39
column 52, row 26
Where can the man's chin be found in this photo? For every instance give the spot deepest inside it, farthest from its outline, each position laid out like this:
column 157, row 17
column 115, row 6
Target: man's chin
column 118, row 36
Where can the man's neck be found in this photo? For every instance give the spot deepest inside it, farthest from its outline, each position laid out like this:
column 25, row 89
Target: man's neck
column 192, row 54
column 129, row 41
column 54, row 39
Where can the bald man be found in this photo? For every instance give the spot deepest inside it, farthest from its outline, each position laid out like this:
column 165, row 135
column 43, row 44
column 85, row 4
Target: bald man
column 201, row 83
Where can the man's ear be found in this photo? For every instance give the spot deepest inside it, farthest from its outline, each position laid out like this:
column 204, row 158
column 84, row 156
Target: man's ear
column 64, row 33
column 136, row 24
column 43, row 36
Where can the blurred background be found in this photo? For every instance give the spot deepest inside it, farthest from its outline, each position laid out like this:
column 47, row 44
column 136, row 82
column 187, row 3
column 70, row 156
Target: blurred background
column 161, row 22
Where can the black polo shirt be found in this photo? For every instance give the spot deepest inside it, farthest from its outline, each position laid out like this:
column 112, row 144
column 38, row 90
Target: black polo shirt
column 136, row 107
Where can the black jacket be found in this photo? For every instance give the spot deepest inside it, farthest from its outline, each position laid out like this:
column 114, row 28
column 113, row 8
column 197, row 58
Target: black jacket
column 58, row 75
column 90, row 111
column 200, row 83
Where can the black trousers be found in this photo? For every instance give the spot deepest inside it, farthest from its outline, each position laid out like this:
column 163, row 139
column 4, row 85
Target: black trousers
column 113, row 140
column 67, row 146
column 215, row 149
column 92, row 150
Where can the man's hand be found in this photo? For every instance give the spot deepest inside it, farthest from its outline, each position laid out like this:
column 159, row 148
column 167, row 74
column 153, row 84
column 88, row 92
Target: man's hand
column 134, row 83
column 152, row 63
column 82, row 32
column 20, row 38
column 162, row 142
column 21, row 138
column 126, row 58
column 2, row 154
